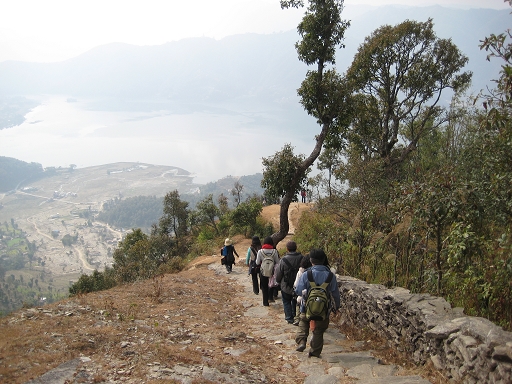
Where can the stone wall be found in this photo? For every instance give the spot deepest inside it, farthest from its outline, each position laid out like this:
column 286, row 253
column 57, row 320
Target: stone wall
column 466, row 349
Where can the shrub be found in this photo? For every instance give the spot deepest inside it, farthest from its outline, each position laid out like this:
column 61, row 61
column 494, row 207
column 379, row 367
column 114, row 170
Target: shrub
column 98, row 281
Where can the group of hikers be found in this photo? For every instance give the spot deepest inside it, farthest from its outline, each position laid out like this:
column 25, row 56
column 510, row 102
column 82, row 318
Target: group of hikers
column 309, row 290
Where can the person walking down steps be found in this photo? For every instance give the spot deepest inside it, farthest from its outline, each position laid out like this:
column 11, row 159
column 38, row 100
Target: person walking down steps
column 266, row 258
column 285, row 277
column 313, row 315
column 305, row 264
column 228, row 251
column 250, row 260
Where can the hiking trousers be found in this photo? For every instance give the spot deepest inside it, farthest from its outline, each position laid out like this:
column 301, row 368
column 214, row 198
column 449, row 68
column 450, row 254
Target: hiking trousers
column 265, row 290
column 255, row 282
column 317, row 340
column 289, row 305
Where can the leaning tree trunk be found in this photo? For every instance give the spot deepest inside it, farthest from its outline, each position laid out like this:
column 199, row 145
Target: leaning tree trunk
column 284, row 225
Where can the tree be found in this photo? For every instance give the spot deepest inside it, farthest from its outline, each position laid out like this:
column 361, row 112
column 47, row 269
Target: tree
column 499, row 102
column 330, row 160
column 280, row 170
column 222, row 200
column 174, row 220
column 237, row 192
column 206, row 213
column 321, row 92
column 396, row 79
column 132, row 256
column 169, row 237
column 245, row 215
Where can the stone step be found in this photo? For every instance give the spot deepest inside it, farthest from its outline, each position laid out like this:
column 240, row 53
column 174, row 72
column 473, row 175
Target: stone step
column 335, row 363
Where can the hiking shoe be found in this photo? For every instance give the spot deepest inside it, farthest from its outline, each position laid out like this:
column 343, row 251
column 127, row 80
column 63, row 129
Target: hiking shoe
column 311, row 355
column 296, row 322
column 301, row 348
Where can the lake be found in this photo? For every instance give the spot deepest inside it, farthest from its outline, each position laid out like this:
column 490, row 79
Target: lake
column 209, row 141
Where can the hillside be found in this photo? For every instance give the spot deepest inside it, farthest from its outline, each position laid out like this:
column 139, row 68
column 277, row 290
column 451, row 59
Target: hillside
column 198, row 326
column 35, row 264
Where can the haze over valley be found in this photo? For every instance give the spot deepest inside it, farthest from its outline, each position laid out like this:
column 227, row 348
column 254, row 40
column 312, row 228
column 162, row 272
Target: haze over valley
column 212, row 107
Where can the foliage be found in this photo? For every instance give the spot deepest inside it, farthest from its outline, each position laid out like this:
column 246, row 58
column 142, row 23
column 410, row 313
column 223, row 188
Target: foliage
column 244, row 217
column 279, row 172
column 397, row 78
column 68, row 240
column 141, row 256
column 173, row 225
column 251, row 186
column 133, row 212
column 237, row 192
column 423, row 199
column 98, row 281
column 206, row 214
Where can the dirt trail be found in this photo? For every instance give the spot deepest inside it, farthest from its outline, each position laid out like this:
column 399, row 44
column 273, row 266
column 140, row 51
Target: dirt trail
column 201, row 325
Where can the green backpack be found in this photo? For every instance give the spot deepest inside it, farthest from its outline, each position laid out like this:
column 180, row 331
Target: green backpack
column 317, row 302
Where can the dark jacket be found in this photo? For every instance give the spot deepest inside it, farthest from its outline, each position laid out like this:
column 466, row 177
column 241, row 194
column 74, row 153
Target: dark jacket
column 295, row 259
column 230, row 258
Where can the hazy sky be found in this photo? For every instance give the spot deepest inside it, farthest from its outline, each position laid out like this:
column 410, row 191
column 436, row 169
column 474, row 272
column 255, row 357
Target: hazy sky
column 54, row 30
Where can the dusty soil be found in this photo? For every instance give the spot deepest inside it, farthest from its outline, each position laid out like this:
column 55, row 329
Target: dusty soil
column 270, row 213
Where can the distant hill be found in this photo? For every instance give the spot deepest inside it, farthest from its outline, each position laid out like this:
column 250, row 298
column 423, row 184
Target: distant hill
column 235, row 69
column 251, row 186
column 13, row 172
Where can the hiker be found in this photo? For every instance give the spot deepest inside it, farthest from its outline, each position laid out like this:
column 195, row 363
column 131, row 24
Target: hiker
column 266, row 258
column 303, row 195
column 305, row 264
column 320, row 274
column 285, row 277
column 250, row 260
column 273, row 285
column 228, row 251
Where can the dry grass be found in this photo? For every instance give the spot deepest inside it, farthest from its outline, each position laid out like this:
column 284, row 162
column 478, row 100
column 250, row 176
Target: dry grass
column 172, row 319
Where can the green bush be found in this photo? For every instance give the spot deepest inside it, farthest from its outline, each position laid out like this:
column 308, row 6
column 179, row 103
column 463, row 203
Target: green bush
column 98, row 281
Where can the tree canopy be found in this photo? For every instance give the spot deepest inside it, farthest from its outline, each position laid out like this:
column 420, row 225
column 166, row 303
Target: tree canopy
column 397, row 79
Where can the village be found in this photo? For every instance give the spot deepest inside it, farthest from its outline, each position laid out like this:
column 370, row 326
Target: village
column 50, row 233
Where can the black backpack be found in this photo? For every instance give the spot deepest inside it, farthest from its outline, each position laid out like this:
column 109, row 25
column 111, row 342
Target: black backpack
column 290, row 274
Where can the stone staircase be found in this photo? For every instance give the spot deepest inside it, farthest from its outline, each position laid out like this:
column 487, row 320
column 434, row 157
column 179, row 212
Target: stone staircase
column 335, row 365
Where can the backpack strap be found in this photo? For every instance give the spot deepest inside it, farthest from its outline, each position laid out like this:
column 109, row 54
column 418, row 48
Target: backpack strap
column 285, row 260
column 311, row 280
column 310, row 277
column 253, row 252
